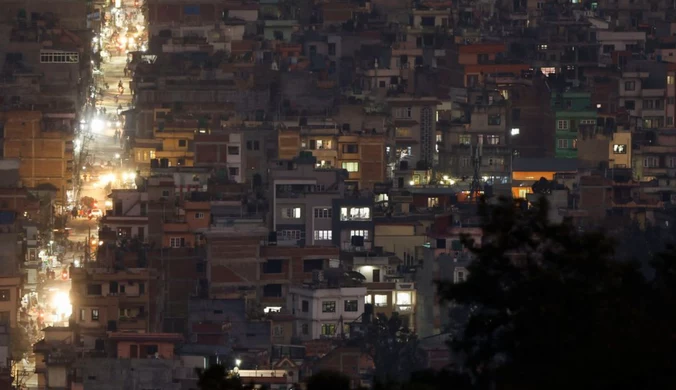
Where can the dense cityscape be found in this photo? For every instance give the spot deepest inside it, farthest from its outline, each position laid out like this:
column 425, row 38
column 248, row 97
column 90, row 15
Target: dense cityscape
column 276, row 190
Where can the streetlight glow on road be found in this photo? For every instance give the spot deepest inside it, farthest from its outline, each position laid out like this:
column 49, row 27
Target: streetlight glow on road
column 61, row 304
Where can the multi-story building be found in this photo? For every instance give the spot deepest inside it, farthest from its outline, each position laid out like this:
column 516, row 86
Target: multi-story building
column 105, row 300
column 322, row 311
column 479, row 133
column 223, row 151
column 129, row 216
column 415, row 129
column 361, row 153
column 302, row 201
column 642, row 89
column 575, row 119
column 43, row 145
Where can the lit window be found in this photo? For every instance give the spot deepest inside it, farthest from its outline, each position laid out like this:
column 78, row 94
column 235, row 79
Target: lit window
column 328, row 329
column 380, row 300
column 328, row 306
column 464, row 139
column 620, row 149
column 323, row 234
column 562, row 125
column 351, row 305
column 233, row 150
column 351, row 166
column 199, row 215
column 367, row 299
column 355, row 214
column 671, row 80
column 404, row 298
column 362, row 233
column 291, row 212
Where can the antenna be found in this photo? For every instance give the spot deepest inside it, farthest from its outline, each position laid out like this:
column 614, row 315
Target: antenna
column 475, row 186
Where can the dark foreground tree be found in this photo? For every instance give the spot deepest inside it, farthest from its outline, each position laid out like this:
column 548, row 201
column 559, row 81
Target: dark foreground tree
column 218, row 377
column 393, row 348
column 329, row 380
column 552, row 309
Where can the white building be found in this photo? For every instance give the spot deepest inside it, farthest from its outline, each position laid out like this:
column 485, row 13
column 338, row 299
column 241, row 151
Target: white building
column 325, row 312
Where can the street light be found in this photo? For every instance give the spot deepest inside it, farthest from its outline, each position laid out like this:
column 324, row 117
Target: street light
column 238, row 362
column 117, row 155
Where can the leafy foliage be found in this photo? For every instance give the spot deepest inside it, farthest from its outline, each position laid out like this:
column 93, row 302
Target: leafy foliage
column 329, row 380
column 19, row 343
column 551, row 308
column 393, row 348
column 218, row 377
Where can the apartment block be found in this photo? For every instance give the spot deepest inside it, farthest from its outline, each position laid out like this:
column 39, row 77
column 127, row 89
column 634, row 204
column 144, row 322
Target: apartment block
column 43, row 145
column 302, row 202
column 129, row 216
column 325, row 312
column 415, row 129
column 105, row 300
column 575, row 120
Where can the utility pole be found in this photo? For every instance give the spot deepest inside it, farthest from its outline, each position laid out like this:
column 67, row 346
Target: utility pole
column 475, row 186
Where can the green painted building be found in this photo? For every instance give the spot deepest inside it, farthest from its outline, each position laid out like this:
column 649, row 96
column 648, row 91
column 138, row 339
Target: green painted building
column 573, row 113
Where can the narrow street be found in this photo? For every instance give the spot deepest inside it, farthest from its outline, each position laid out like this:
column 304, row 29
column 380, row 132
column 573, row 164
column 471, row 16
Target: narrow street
column 104, row 169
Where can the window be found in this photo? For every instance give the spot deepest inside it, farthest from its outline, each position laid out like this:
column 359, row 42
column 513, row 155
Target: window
column 4, row 295
column 671, row 100
column 351, row 166
column 465, row 162
column 288, row 235
column 328, row 329
column 620, row 149
column 562, row 124
column 465, row 139
column 277, row 331
column 182, row 143
column 650, row 162
column 494, row 120
column 291, row 212
column 367, row 299
column 199, row 215
column 305, row 329
column 404, row 298
column 362, row 233
column 332, row 49
column 177, row 242
column 588, row 121
column 323, row 212
column 313, row 265
column 380, row 300
column 83, row 314
column 253, row 145
column 630, row 85
column 233, row 150
column 328, row 306
column 273, row 266
column 671, row 80
column 629, row 104
column 562, row 144
column 352, row 305
column 233, row 171
column 460, row 275
column 272, row 290
column 405, row 112
column 671, row 162
column 94, row 289
column 670, row 121
column 492, row 139
column 59, row 57
column 323, row 234
column 350, row 148
column 165, row 193
column 305, row 306
column 355, row 214
column 648, row 104
column 95, row 314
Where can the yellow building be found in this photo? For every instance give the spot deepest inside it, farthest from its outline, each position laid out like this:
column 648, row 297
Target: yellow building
column 176, row 134
column 43, row 144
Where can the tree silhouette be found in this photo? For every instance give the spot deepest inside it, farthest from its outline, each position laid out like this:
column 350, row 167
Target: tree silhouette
column 329, row 380
column 218, row 377
column 393, row 348
column 551, row 308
